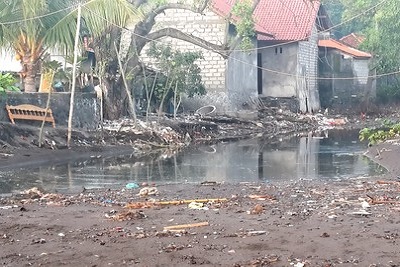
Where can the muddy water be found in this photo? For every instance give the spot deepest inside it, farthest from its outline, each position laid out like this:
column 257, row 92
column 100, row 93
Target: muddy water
column 326, row 155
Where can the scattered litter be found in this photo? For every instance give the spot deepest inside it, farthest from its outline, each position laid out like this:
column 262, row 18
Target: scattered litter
column 140, row 205
column 148, row 191
column 128, row 215
column 388, row 182
column 258, row 209
column 361, row 212
column 132, row 186
column 197, row 206
column 325, row 235
column 210, row 183
column 33, row 193
column 255, row 233
column 39, row 241
column 265, row 261
column 8, row 207
column 61, row 234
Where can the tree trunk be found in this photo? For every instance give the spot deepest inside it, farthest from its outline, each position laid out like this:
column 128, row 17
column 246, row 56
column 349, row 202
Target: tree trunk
column 29, row 73
column 113, row 100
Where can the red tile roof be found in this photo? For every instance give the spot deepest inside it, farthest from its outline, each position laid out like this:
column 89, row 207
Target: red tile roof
column 344, row 48
column 285, row 20
column 353, row 40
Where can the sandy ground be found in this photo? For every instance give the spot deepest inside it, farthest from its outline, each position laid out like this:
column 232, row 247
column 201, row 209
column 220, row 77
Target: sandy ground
column 299, row 223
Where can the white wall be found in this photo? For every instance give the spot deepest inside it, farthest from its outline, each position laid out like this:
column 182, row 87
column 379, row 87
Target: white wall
column 283, row 59
column 210, row 27
column 8, row 62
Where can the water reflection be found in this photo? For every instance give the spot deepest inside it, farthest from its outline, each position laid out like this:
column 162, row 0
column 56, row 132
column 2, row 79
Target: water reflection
column 336, row 154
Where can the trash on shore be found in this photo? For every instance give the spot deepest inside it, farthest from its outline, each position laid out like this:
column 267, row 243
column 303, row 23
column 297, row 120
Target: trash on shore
column 148, row 191
column 197, row 206
column 132, row 186
column 127, row 216
column 258, row 209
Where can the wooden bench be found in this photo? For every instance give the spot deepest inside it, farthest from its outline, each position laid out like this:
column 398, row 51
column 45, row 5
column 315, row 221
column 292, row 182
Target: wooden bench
column 30, row 112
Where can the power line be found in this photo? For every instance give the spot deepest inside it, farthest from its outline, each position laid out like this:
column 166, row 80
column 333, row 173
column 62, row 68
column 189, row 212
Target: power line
column 74, row 7
column 258, row 67
column 243, row 50
column 37, row 17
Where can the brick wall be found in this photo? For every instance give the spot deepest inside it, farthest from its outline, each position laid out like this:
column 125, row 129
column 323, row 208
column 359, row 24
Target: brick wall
column 308, row 72
column 209, row 27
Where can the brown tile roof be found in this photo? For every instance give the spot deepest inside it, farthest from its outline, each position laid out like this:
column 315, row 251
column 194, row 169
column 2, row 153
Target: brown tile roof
column 343, row 48
column 353, row 40
column 285, row 20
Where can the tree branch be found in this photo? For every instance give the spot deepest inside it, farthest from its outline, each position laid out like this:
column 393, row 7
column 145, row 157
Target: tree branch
column 177, row 34
column 158, row 10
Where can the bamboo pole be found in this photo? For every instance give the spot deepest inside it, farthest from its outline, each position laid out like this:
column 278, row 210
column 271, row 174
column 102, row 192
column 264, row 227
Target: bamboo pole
column 47, row 109
column 131, row 100
column 71, row 104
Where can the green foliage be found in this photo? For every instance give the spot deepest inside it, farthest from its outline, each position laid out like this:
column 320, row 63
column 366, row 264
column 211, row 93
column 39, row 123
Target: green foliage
column 388, row 93
column 374, row 136
column 243, row 11
column 7, row 83
column 52, row 65
column 335, row 11
column 380, row 26
column 179, row 68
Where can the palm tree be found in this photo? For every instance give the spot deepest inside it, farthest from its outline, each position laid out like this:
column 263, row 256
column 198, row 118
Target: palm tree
column 30, row 27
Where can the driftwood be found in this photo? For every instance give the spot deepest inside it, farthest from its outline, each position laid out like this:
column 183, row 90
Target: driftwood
column 388, row 182
column 140, row 205
column 183, row 226
column 377, row 201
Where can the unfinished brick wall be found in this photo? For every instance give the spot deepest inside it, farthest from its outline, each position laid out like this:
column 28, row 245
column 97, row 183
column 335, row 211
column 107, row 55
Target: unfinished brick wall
column 210, row 27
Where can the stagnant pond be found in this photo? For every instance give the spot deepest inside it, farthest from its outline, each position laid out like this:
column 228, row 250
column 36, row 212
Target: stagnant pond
column 330, row 155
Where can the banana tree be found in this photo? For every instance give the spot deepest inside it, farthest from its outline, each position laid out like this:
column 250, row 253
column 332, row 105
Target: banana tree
column 31, row 27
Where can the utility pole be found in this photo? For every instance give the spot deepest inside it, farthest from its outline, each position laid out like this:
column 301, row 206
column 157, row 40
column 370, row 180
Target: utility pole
column 76, row 47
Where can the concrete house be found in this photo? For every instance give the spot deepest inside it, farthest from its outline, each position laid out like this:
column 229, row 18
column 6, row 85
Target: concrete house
column 287, row 50
column 345, row 73
column 283, row 62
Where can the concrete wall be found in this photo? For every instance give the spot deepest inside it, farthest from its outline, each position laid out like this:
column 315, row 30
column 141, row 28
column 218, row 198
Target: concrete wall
column 339, row 90
column 279, row 58
column 86, row 110
column 241, row 78
column 307, row 83
column 210, row 27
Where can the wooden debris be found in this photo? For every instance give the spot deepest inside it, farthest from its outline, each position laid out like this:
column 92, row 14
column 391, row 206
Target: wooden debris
column 141, row 205
column 183, row 226
column 387, row 182
column 375, row 201
column 262, row 197
column 128, row 216
column 177, row 202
